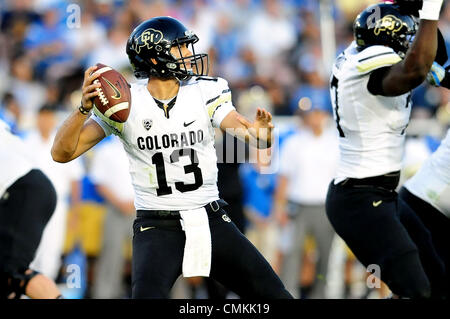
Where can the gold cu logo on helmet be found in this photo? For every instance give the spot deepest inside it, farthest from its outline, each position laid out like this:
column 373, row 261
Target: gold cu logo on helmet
column 388, row 23
column 148, row 39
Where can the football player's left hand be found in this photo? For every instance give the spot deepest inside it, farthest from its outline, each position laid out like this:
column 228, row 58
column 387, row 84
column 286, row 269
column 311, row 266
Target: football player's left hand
column 263, row 119
column 262, row 127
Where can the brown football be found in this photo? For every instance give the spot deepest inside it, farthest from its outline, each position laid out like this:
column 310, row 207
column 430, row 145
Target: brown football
column 114, row 98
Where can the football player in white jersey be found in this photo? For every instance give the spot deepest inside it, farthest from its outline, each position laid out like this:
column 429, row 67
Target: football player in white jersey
column 427, row 193
column 27, row 201
column 370, row 88
column 180, row 227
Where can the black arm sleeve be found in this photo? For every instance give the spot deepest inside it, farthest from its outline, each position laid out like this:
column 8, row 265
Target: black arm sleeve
column 376, row 78
column 441, row 53
column 446, row 80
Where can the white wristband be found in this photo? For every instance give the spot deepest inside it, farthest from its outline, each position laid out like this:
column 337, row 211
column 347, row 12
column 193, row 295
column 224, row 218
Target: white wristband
column 430, row 10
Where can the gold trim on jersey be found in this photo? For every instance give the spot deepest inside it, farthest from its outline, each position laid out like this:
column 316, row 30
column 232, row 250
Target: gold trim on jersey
column 115, row 125
column 378, row 62
column 224, row 98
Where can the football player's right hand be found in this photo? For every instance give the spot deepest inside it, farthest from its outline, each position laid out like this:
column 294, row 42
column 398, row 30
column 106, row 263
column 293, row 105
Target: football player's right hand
column 436, row 74
column 89, row 88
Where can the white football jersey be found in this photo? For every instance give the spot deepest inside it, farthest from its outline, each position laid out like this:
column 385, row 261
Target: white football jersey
column 172, row 159
column 432, row 180
column 15, row 160
column 371, row 127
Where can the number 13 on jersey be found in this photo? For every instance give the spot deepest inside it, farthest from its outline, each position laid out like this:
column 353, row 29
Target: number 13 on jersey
column 160, row 168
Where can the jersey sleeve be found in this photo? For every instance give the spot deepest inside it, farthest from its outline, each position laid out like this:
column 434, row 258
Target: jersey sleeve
column 218, row 100
column 108, row 126
column 375, row 57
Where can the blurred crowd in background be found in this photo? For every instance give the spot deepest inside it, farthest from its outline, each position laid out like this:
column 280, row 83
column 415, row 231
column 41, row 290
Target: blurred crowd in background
column 271, row 53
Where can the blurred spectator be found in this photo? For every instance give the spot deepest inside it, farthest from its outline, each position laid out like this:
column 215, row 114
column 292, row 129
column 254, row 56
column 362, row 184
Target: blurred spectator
column 313, row 85
column 104, row 13
column 426, row 100
column 258, row 190
column 269, row 33
column 14, row 21
column 45, row 43
column 315, row 94
column 349, row 7
column 85, row 229
column 225, row 42
column 66, row 181
column 112, row 51
column 278, row 95
column 109, row 172
column 239, row 69
column 10, row 112
column 29, row 94
column 308, row 161
column 203, row 21
column 87, row 38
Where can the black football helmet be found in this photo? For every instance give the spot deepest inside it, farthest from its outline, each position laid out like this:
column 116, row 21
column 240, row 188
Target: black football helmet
column 384, row 24
column 153, row 39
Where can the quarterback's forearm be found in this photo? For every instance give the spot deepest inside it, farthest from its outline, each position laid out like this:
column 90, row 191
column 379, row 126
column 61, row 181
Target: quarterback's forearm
column 258, row 137
column 75, row 137
column 66, row 139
